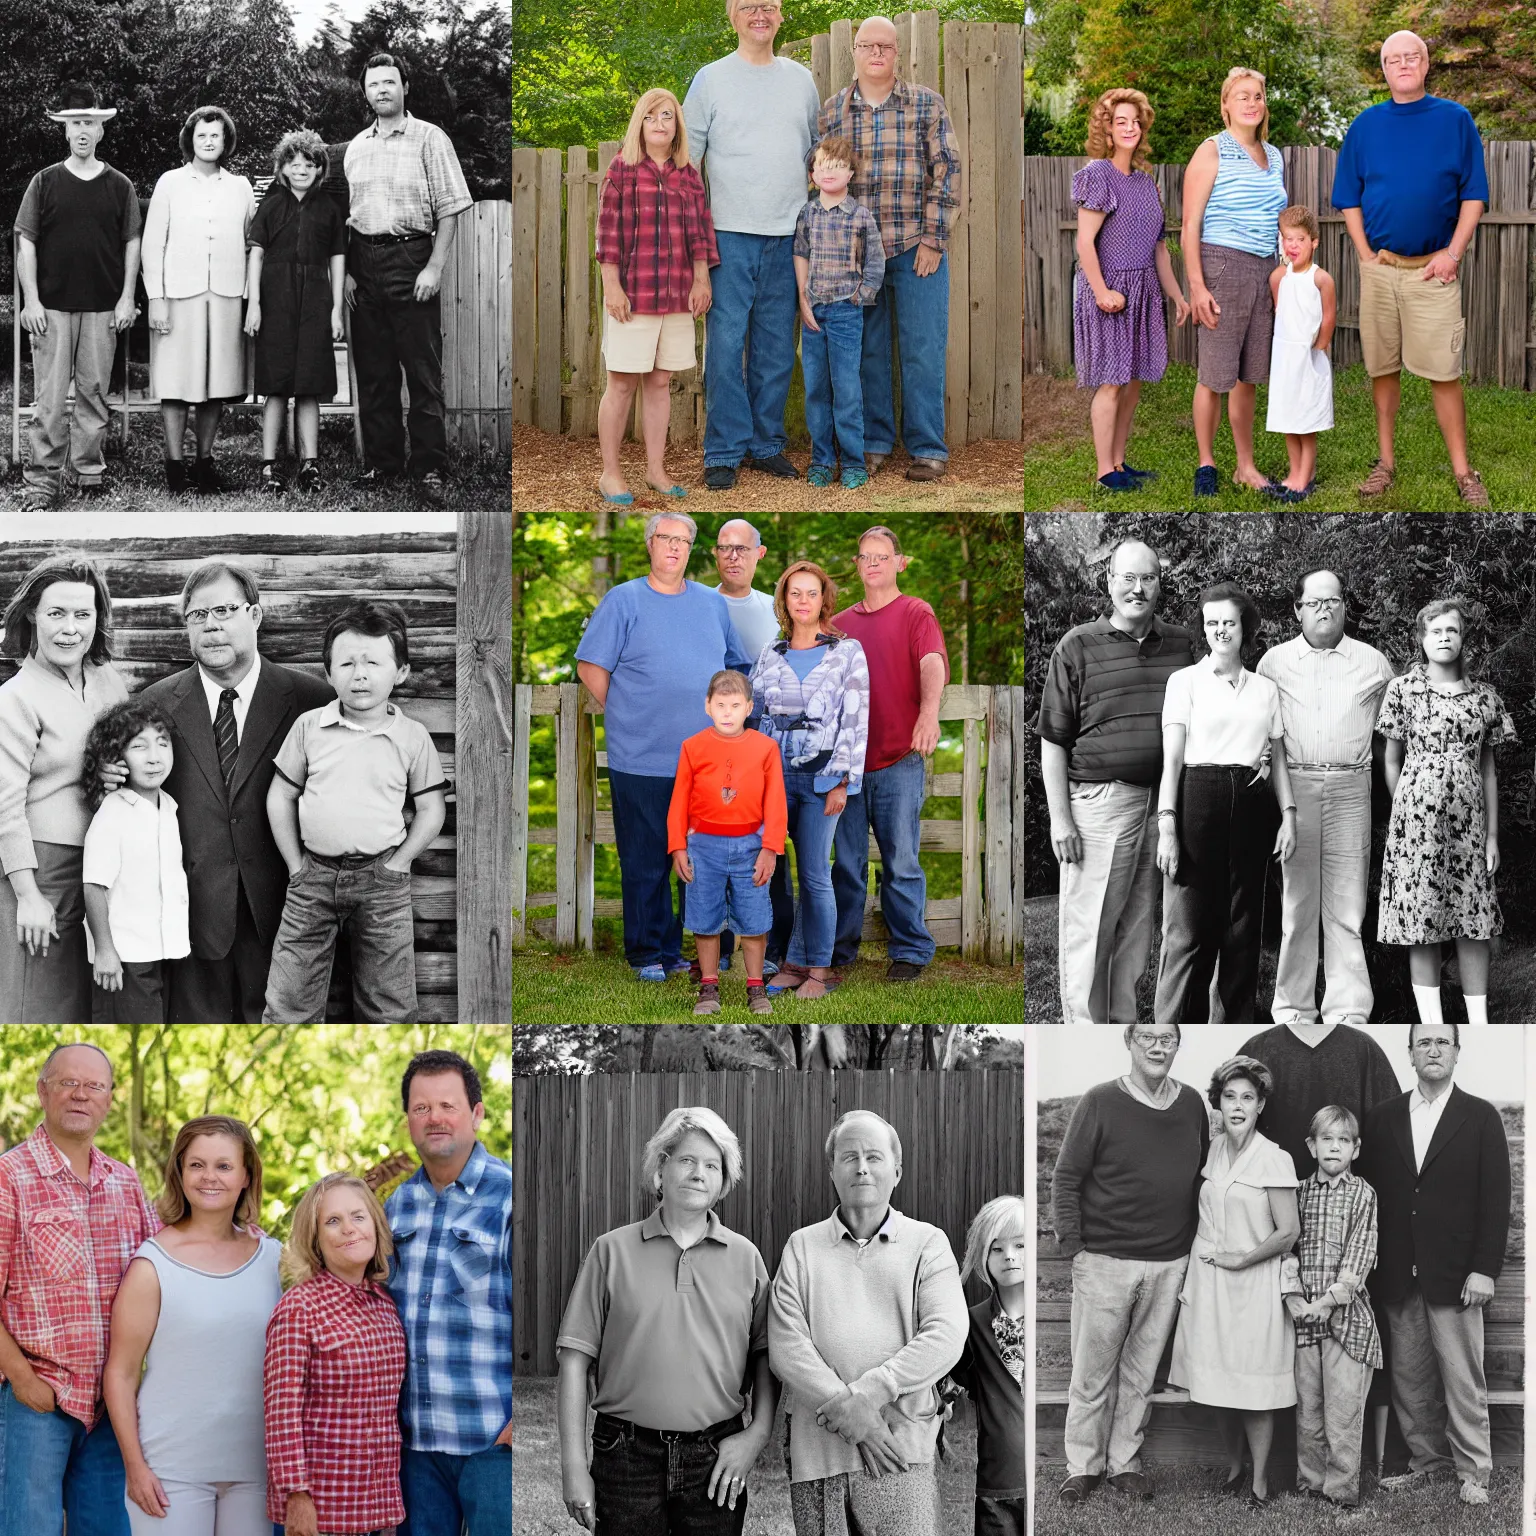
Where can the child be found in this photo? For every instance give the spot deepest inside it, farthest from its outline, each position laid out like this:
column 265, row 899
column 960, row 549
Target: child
column 1300, row 375
column 336, row 807
column 136, row 899
column 725, row 830
column 294, row 279
column 1337, row 1347
column 839, row 266
column 655, row 246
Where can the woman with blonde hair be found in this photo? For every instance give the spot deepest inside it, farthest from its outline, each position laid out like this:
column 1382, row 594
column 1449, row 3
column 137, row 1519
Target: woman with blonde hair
column 655, row 246
column 1119, row 334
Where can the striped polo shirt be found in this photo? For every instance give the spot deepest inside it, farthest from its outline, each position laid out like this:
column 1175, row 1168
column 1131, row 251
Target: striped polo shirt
column 1244, row 208
column 1328, row 698
column 1103, row 699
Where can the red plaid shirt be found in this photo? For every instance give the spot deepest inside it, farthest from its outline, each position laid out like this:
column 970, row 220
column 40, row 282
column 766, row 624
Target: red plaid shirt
column 335, row 1362
column 653, row 222
column 64, row 1247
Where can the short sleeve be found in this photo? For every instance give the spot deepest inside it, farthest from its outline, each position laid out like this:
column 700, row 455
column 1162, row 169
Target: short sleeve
column 1501, row 725
column 103, row 853
column 261, row 225
column 29, row 217
column 1275, row 1170
column 1392, row 720
column 758, row 1342
column 292, row 758
column 928, row 638
column 1178, row 702
column 1092, row 188
column 133, row 219
column 1474, row 173
column 1057, row 721
column 802, row 245
column 586, row 1309
column 445, row 177
column 336, row 232
column 1276, row 720
column 602, row 641
column 1347, row 181
column 426, row 767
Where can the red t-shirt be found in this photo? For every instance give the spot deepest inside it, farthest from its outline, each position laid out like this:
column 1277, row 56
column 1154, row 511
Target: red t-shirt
column 895, row 640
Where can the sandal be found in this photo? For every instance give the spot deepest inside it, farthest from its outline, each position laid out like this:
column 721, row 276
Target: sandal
column 787, row 978
column 810, row 997
column 1471, row 489
column 1379, row 479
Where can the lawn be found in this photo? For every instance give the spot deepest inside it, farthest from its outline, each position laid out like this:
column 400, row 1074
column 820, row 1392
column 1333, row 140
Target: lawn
column 1059, row 466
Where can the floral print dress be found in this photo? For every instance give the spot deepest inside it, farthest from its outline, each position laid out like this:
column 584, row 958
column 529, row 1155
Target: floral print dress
column 1435, row 884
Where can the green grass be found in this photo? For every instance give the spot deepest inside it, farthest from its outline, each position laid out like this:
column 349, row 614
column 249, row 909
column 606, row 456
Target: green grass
column 1059, row 475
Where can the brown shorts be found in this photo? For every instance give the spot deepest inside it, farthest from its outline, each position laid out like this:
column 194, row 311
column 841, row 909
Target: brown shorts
column 1237, row 351
column 1408, row 322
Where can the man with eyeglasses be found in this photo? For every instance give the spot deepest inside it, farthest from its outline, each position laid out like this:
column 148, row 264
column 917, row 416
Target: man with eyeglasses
column 1125, row 1198
column 1331, row 686
column 71, row 1219
column 1438, row 1160
column 1101, row 756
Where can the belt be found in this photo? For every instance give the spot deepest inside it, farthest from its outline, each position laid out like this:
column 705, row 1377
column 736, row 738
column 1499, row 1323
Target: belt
column 387, row 239
column 1407, row 263
column 1334, row 767
column 669, row 1436
column 348, row 860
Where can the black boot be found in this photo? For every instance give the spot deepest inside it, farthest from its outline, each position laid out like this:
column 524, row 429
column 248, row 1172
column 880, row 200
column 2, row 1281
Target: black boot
column 206, row 475
column 176, row 476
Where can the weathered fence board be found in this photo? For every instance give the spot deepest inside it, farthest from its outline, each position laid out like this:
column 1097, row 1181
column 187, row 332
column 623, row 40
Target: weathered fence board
column 1000, row 829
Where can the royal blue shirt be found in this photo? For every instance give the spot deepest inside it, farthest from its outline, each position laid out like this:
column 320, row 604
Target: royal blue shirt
column 1408, row 167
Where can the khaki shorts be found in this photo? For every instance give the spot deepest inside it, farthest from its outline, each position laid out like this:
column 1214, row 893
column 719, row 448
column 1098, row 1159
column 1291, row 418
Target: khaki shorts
column 1406, row 322
column 644, row 342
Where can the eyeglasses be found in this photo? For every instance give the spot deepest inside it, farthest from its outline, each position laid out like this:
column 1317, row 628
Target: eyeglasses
column 1397, row 60
column 197, row 617
column 1321, row 604
column 1135, row 579
column 874, row 47
column 671, row 540
column 733, row 551
column 69, row 1084
column 871, row 561
column 1146, row 1042
column 758, row 10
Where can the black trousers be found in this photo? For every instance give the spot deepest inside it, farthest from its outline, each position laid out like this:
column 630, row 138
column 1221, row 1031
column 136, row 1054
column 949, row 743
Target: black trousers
column 229, row 990
column 140, row 1000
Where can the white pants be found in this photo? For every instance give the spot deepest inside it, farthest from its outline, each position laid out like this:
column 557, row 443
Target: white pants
column 206, row 1509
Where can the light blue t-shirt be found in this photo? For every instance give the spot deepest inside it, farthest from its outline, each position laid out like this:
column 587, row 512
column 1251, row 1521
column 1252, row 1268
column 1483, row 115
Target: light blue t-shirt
column 661, row 650
column 805, row 662
column 1244, row 208
column 756, row 623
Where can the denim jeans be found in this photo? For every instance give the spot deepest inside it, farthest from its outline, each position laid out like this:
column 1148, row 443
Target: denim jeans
column 749, row 347
column 446, row 1495
column 50, row 1466
column 834, row 395
column 890, row 803
column 722, row 891
column 783, row 916
column 78, row 345
column 653, row 932
column 655, row 1482
column 920, row 306
column 812, row 831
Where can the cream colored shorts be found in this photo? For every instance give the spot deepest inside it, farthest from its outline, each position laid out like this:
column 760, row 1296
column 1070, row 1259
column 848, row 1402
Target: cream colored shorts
column 644, row 342
column 1406, row 322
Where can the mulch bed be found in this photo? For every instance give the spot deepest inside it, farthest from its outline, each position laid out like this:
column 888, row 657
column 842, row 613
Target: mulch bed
column 1053, row 409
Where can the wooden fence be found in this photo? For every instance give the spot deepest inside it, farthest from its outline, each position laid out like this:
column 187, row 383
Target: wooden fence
column 986, row 920
column 557, row 312
column 577, row 1144
column 1499, row 289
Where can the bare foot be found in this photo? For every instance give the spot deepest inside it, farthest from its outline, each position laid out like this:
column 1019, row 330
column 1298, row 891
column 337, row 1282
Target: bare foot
column 1251, row 478
column 612, row 485
column 810, row 988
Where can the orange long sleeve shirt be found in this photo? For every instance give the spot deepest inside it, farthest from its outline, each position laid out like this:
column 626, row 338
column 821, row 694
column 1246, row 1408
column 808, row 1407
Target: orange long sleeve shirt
column 729, row 786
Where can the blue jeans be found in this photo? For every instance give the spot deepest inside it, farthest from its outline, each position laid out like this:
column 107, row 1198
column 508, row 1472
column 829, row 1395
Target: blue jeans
column 445, row 1494
column 921, row 307
column 812, row 830
column 722, row 891
column 656, row 1482
column 653, row 932
column 783, row 916
column 892, row 804
column 50, row 1466
column 749, row 351
column 834, row 397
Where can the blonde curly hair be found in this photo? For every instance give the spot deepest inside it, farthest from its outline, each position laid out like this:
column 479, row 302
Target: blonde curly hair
column 1101, row 143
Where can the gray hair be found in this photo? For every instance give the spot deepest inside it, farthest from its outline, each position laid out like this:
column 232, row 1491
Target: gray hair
column 677, row 517
column 672, row 1130
column 70, row 1045
column 843, row 1119
column 756, row 537
column 1402, row 32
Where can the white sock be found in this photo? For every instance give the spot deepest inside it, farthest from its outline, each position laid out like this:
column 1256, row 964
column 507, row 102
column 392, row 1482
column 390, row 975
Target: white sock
column 1477, row 1008
column 1428, row 999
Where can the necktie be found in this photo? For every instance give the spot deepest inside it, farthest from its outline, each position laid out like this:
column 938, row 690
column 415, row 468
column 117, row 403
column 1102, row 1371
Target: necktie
column 224, row 734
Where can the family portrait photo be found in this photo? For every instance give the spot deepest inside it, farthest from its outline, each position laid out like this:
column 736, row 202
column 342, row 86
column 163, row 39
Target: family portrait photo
column 1281, row 769
column 695, row 699
column 777, row 1282
column 255, row 1281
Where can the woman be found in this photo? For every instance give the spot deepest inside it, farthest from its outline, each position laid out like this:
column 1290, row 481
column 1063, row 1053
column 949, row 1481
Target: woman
column 60, row 623
column 668, row 1359
column 1234, row 194
column 1222, row 736
column 1443, row 837
column 810, row 691
column 194, row 273
column 334, row 1365
column 1235, row 1347
column 194, row 1304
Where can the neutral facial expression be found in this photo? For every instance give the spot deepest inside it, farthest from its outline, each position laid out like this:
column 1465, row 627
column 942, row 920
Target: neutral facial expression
column 757, row 21
column 875, row 50
column 223, row 644
column 76, row 1111
column 440, row 1122
column 803, row 596
column 347, row 1233
column 1442, row 638
column 1135, row 583
column 1153, row 1050
column 1322, row 626
column 1334, row 1150
column 1125, row 126
column 669, row 547
column 734, row 536
column 213, row 1172
column 831, row 176
column 660, row 125
column 65, row 622
column 149, row 758
column 692, row 1174
column 874, row 571
column 1005, row 1260
column 728, row 709
column 301, row 172
column 83, row 134
column 208, row 140
column 363, row 670
column 864, row 1169
column 1404, row 63
column 1434, row 1051
column 1223, row 623
column 382, row 87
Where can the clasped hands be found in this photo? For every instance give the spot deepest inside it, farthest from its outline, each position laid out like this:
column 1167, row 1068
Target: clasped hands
column 860, row 1423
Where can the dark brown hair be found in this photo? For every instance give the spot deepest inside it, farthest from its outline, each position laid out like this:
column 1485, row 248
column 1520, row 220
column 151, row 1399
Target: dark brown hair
column 20, row 619
column 207, row 115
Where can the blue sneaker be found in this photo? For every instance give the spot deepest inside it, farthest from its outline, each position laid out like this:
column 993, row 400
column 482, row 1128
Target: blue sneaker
column 649, row 973
column 678, row 967
column 1118, row 480
column 1140, row 474
column 1205, row 480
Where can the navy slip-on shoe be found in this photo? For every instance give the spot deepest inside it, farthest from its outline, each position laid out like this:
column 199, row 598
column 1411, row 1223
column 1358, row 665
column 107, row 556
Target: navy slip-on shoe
column 1205, row 480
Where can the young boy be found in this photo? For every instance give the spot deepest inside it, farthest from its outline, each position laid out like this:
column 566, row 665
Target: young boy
column 1337, row 1345
column 725, row 829
column 336, row 806
column 839, row 266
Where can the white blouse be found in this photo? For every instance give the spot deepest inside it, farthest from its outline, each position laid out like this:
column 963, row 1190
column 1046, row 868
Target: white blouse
column 195, row 234
column 1224, row 723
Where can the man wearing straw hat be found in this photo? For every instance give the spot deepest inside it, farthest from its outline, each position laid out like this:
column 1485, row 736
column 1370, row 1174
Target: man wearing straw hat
column 77, row 257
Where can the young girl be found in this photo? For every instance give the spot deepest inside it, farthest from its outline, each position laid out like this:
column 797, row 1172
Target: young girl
column 655, row 245
column 992, row 1367
column 136, row 897
column 294, row 279
column 1300, row 375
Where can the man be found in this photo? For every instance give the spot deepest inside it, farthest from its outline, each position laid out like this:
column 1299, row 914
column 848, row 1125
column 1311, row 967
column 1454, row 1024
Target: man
column 71, row 1219
column 77, row 258
column 1438, row 1160
column 451, row 1278
column 1330, row 692
column 865, row 1317
column 406, row 190
column 751, row 119
column 1125, row 1197
column 1101, row 757
column 908, row 668
column 646, row 655
column 1411, row 185
column 909, row 178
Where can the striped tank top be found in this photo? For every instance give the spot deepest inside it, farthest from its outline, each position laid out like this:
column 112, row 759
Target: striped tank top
column 1243, row 212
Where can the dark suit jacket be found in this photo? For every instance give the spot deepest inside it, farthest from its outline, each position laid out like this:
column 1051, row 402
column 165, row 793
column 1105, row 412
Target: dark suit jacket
column 226, row 839
column 1448, row 1220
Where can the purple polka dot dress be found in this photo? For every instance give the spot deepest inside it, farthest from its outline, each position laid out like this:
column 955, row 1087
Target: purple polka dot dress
column 1133, row 344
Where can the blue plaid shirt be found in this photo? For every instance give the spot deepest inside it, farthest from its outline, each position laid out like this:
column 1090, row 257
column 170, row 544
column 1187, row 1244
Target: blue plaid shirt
column 451, row 1278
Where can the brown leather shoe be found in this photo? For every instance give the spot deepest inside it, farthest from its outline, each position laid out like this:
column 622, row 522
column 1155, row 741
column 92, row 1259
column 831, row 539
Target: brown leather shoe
column 927, row 469
column 1471, row 489
column 1379, row 479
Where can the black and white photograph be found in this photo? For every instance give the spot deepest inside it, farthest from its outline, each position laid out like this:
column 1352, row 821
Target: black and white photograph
column 769, row 1279
column 1281, row 769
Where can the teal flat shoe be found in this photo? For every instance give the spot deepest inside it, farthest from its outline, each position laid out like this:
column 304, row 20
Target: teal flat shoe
column 672, row 490
column 623, row 499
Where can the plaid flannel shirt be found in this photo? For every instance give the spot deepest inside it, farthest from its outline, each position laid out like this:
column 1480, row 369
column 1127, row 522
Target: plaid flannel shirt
column 451, row 1277
column 843, row 246
column 653, row 223
column 909, row 162
column 64, row 1248
column 404, row 182
column 1337, row 1252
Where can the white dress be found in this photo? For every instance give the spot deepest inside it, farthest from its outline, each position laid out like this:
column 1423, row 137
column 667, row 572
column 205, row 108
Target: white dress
column 1300, row 377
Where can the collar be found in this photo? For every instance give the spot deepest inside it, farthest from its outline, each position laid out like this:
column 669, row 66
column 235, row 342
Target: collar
column 1319, row 1177
column 848, row 205
column 133, row 800
column 30, row 663
column 781, row 645
column 469, row 1175
column 336, row 1283
column 654, row 1226
column 1416, row 1099
column 1158, row 631
column 372, row 131
column 900, row 92
column 1207, row 664
column 330, row 714
column 1344, row 648
column 51, row 1161
column 243, row 689
column 887, row 1230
